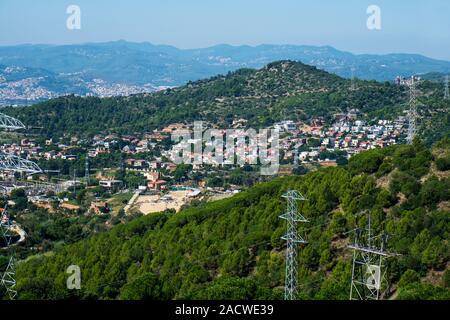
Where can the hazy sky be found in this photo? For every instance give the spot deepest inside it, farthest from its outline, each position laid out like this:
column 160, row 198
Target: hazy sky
column 411, row 26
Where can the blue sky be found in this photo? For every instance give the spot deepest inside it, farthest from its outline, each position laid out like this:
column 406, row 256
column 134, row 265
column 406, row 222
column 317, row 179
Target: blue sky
column 411, row 26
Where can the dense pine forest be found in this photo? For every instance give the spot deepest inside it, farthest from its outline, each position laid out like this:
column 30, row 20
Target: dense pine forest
column 281, row 90
column 231, row 249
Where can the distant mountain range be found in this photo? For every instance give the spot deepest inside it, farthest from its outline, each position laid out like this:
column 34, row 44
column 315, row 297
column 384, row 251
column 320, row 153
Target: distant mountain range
column 125, row 67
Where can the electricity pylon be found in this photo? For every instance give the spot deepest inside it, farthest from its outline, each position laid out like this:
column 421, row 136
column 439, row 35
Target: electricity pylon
column 8, row 280
column 7, row 122
column 412, row 113
column 9, row 162
column 12, row 163
column 368, row 269
column 292, row 238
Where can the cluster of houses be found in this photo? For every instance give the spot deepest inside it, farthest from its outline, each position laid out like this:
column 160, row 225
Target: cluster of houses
column 347, row 134
column 305, row 142
column 299, row 142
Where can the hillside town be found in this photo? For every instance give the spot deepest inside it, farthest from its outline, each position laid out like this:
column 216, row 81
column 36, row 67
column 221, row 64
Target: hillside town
column 346, row 134
column 143, row 166
column 30, row 90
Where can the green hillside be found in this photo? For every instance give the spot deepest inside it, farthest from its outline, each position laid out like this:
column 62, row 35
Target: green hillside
column 231, row 249
column 280, row 90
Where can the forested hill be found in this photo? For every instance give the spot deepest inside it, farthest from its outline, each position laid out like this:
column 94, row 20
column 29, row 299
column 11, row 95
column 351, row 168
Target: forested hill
column 280, row 91
column 231, row 249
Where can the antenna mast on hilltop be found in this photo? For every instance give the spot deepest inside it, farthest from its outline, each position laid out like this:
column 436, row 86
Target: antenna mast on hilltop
column 368, row 269
column 446, row 95
column 412, row 113
column 292, row 238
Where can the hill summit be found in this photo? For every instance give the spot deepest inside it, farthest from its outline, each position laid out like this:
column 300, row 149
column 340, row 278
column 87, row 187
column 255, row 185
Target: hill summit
column 280, row 90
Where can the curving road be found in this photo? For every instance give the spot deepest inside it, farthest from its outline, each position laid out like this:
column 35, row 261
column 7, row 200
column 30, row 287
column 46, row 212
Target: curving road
column 14, row 227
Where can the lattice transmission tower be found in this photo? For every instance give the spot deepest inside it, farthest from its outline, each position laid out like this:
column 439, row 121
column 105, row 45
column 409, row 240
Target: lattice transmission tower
column 10, row 123
column 292, row 239
column 9, row 277
column 412, row 113
column 12, row 163
column 368, row 269
column 8, row 280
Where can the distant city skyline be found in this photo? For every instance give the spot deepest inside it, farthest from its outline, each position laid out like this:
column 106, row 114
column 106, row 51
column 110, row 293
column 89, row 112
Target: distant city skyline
column 406, row 26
